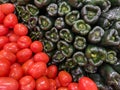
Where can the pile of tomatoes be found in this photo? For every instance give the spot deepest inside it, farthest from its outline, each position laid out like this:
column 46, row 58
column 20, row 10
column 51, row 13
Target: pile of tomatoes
column 23, row 64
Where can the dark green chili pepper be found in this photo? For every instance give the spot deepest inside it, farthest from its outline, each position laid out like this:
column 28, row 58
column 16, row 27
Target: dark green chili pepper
column 32, row 22
column 95, row 55
column 110, row 38
column 52, row 9
column 63, row 8
column 25, row 16
column 96, row 34
column 79, row 42
column 70, row 63
column 80, row 58
column 52, row 35
column 76, row 3
column 45, row 22
column 20, row 10
column 80, row 27
column 65, row 48
column 66, row 35
column 71, row 17
column 91, row 13
column 32, row 9
column 110, row 76
column 59, row 23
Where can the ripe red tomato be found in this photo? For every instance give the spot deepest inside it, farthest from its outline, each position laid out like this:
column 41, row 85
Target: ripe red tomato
column 23, row 55
column 27, row 83
column 65, row 78
column 37, row 69
column 86, row 83
column 7, row 8
column 41, row 56
column 3, row 30
column 16, row 71
column 73, row 86
column 7, row 83
column 62, row 88
column 52, row 83
column 13, row 37
column 52, row 71
column 3, row 41
column 10, row 20
column 24, row 42
column 2, row 16
column 36, row 46
column 42, row 83
column 20, row 29
column 4, row 67
column 57, row 82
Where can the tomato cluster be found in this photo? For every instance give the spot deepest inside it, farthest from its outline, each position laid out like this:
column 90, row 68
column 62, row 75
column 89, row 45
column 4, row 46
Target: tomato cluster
column 23, row 64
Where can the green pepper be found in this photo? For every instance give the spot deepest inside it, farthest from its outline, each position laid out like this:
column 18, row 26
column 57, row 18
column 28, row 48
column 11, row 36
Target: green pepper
column 59, row 23
column 70, row 63
column 25, row 16
column 115, row 2
column 63, row 8
column 20, row 10
column 45, row 22
column 71, row 17
column 32, row 22
column 95, row 55
column 62, row 66
column 110, row 76
column 80, row 27
column 91, row 13
column 32, row 9
column 80, row 58
column 110, row 38
column 117, row 26
column 66, row 35
column 52, row 35
column 116, row 66
column 76, row 3
column 96, row 34
column 52, row 9
column 4, row 1
column 65, row 48
column 79, row 43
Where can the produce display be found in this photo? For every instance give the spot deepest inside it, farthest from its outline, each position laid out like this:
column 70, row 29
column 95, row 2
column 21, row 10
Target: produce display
column 74, row 44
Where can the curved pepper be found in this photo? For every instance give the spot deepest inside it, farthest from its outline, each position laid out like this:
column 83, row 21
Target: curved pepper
column 91, row 13
column 66, row 35
column 59, row 23
column 96, row 34
column 52, row 35
column 25, row 16
column 32, row 22
column 20, row 10
column 110, row 76
column 71, row 17
column 117, row 27
column 95, row 55
column 70, row 63
column 63, row 8
column 76, row 3
column 80, row 58
column 45, row 22
column 79, row 43
column 80, row 27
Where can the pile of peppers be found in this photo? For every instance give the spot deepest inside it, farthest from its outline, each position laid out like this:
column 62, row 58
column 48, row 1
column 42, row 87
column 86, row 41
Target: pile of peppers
column 80, row 36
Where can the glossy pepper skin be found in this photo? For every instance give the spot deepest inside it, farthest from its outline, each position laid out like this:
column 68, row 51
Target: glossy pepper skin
column 110, row 76
column 32, row 22
column 90, row 13
column 96, row 34
column 20, row 9
column 95, row 55
column 117, row 27
column 59, row 23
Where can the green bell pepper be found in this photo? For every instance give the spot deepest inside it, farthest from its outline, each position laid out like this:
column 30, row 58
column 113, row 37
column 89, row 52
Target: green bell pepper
column 32, row 22
column 116, row 66
column 59, row 23
column 25, row 16
column 70, row 63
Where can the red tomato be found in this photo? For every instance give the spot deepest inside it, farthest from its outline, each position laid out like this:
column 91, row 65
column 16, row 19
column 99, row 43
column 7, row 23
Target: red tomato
column 7, row 8
column 16, row 71
column 7, row 83
column 10, row 20
column 12, row 47
column 57, row 82
column 62, row 88
column 13, row 37
column 42, row 83
column 37, row 70
column 20, row 29
column 52, row 71
column 24, row 42
column 3, row 41
column 65, row 78
column 27, row 83
column 2, row 16
column 52, row 83
column 3, row 30
column 86, row 83
column 4, row 67
column 41, row 56
column 73, row 86
column 23, row 55
column 8, row 55
column 36, row 46
column 27, row 65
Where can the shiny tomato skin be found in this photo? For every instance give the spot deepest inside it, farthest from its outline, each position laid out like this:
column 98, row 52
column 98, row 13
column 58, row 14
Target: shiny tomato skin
column 13, row 37
column 86, row 83
column 23, row 55
column 4, row 67
column 2, row 16
column 42, row 83
column 73, row 86
column 7, row 83
column 3, row 41
column 37, row 70
column 3, row 30
column 62, row 88
column 57, row 82
column 27, row 83
column 52, row 83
